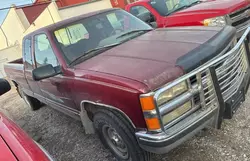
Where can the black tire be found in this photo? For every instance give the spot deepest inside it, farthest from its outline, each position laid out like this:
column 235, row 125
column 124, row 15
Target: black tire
column 32, row 102
column 128, row 149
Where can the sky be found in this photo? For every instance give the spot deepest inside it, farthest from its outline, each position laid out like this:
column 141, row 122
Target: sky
column 8, row 3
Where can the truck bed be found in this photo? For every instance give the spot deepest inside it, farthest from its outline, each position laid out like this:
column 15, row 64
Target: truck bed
column 14, row 71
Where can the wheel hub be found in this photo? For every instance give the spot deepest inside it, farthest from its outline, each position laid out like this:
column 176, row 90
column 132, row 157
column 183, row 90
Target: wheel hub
column 115, row 142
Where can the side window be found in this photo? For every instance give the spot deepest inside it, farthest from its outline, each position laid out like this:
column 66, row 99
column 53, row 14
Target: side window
column 138, row 10
column 142, row 13
column 27, row 54
column 43, row 52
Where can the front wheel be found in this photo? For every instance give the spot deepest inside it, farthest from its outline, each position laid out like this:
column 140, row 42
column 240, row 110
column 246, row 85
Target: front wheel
column 118, row 135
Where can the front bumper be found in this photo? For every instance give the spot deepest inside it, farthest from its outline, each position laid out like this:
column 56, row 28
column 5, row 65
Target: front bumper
column 161, row 143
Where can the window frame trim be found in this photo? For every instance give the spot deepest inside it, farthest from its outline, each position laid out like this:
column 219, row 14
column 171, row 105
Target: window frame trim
column 31, row 54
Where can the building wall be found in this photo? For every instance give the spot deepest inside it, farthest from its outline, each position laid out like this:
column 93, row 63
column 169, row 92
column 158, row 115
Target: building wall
column 65, row 3
column 13, row 29
column 49, row 16
column 121, row 3
column 77, row 10
column 7, row 55
column 33, row 11
column 23, row 18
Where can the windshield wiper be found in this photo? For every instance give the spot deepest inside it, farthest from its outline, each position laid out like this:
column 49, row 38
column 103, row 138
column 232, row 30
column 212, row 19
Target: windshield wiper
column 131, row 32
column 92, row 52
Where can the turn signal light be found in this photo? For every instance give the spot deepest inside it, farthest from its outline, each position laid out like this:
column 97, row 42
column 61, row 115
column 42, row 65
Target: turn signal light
column 147, row 103
column 153, row 123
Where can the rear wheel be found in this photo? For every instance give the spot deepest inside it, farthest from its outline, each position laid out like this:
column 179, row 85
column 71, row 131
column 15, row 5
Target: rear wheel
column 33, row 103
column 118, row 135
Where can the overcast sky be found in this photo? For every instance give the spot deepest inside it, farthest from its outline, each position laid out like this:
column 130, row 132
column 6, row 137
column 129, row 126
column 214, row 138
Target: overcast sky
column 7, row 3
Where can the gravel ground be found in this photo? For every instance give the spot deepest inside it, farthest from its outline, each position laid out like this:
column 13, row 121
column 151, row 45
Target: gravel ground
column 65, row 140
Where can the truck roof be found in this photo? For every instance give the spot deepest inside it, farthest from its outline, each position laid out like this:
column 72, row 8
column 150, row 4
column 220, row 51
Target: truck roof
column 68, row 21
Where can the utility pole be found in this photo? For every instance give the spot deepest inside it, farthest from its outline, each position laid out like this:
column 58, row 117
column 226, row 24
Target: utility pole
column 6, row 39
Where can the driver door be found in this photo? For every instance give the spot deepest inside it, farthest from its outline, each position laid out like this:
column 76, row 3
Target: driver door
column 56, row 90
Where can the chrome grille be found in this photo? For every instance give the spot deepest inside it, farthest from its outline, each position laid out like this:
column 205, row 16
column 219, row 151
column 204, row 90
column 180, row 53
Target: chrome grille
column 207, row 91
column 231, row 72
column 240, row 18
column 203, row 90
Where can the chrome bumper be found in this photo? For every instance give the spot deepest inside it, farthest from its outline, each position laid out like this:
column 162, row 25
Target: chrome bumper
column 161, row 143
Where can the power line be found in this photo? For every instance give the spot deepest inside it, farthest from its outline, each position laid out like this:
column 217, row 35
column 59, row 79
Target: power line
column 6, row 39
column 27, row 5
column 20, row 2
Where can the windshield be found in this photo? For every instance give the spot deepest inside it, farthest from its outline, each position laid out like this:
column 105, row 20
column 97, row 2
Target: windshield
column 96, row 32
column 166, row 7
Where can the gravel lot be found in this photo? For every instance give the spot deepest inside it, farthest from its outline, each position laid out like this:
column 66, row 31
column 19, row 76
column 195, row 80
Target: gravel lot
column 65, row 140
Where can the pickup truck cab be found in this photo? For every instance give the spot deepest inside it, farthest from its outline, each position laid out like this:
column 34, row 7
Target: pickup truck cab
column 141, row 90
column 171, row 13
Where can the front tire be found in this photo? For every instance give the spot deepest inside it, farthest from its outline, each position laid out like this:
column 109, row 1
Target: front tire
column 33, row 103
column 118, row 135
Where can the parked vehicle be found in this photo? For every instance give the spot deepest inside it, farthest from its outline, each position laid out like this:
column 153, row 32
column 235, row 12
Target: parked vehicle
column 15, row 144
column 142, row 90
column 171, row 13
column 4, row 86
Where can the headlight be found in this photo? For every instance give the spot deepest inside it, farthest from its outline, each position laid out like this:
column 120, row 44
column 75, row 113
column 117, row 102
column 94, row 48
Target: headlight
column 172, row 93
column 177, row 112
column 216, row 21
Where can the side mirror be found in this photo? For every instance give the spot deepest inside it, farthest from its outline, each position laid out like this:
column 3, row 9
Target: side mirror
column 153, row 24
column 4, row 86
column 44, row 72
column 152, row 18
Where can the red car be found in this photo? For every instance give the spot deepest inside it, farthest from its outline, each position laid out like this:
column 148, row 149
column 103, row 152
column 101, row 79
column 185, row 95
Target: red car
column 172, row 13
column 15, row 144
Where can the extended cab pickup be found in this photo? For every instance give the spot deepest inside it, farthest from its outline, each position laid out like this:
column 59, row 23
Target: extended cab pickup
column 141, row 90
column 171, row 13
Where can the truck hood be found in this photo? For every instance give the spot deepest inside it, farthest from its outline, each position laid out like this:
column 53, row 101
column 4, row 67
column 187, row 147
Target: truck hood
column 221, row 7
column 150, row 58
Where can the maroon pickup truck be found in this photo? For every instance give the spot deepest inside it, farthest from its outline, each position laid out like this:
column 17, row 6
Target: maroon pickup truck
column 141, row 90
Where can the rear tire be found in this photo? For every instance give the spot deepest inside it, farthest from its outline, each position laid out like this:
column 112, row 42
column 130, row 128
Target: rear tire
column 32, row 102
column 118, row 136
